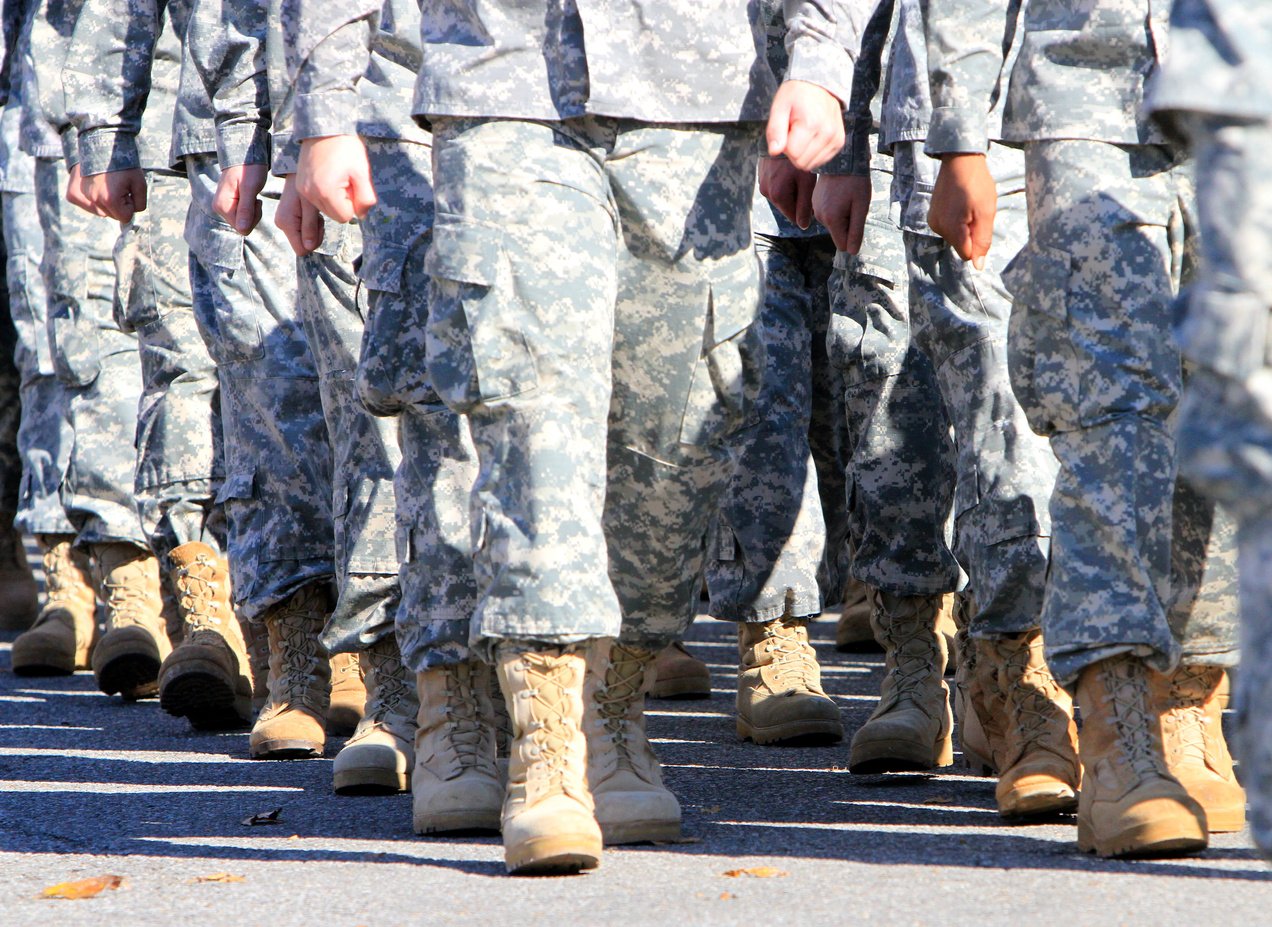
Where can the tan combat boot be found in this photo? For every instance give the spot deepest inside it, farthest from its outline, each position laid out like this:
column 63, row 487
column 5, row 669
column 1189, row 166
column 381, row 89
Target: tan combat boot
column 780, row 698
column 910, row 727
column 1039, row 768
column 19, row 592
column 62, row 639
column 1192, row 737
column 632, row 804
column 128, row 656
column 257, row 639
column 549, row 825
column 1130, row 804
column 291, row 725
column 853, row 633
column 456, row 785
column 377, row 759
column 348, row 694
column 979, row 708
column 679, row 674
column 207, row 677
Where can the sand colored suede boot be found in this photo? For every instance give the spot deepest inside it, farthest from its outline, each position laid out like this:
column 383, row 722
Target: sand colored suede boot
column 1192, row 738
column 1130, row 803
column 292, row 724
column 853, row 633
column 19, row 592
column 679, row 674
column 979, row 708
column 256, row 637
column 549, row 824
column 632, row 804
column 910, row 727
column 377, row 759
column 62, row 639
column 456, row 785
column 1039, row 768
column 348, row 694
column 780, row 698
column 127, row 657
column 207, row 677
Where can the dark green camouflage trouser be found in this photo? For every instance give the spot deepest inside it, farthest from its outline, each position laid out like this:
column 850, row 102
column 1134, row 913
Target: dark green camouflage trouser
column 593, row 292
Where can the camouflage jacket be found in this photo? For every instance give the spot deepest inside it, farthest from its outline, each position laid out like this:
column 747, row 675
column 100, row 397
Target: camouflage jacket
column 648, row 60
column 46, row 131
column 125, row 63
column 1220, row 60
column 354, row 66
column 1080, row 73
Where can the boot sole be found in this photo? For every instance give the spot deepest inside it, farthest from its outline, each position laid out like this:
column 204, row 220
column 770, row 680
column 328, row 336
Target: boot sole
column 1039, row 804
column 133, row 675
column 42, row 668
column 206, row 698
column 558, row 854
column 640, row 832
column 818, row 732
column 899, row 756
column 1151, row 839
column 478, row 821
column 1225, row 821
column 370, row 781
column 286, row 750
column 683, row 689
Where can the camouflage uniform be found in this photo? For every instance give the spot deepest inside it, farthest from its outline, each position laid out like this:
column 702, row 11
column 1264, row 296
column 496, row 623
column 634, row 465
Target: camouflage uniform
column 1092, row 360
column 95, row 360
column 1215, row 91
column 620, row 249
column 277, row 490
column 124, row 61
column 770, row 539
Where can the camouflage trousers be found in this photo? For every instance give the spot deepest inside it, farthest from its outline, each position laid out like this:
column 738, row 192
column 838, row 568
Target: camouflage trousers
column 900, row 462
column 1004, row 472
column 769, row 538
column 44, row 433
column 438, row 461
column 95, row 361
column 1225, row 430
column 277, row 489
column 364, row 448
column 593, row 288
column 10, row 410
column 179, row 466
column 1138, row 564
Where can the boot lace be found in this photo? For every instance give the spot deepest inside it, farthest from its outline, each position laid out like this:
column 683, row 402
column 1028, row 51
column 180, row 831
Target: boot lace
column 298, row 667
column 390, row 694
column 793, row 659
column 910, row 637
column 1031, row 690
column 1128, row 697
column 463, row 728
column 1190, row 687
column 200, row 604
column 552, row 729
column 622, row 685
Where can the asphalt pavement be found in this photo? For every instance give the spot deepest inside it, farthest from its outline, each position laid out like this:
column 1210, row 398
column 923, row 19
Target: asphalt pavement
column 91, row 786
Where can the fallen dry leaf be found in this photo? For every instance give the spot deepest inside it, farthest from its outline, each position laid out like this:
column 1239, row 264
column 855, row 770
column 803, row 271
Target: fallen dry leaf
column 939, row 800
column 757, row 872
column 677, row 842
column 84, row 888
column 218, row 877
column 264, row 817
column 294, row 837
column 725, row 896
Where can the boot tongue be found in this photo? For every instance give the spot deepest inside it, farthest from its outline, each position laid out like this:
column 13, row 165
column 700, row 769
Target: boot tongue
column 622, row 687
column 1128, row 693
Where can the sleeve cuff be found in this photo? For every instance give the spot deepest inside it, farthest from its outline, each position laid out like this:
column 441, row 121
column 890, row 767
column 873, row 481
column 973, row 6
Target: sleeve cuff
column 70, row 146
column 955, row 131
column 103, row 151
column 821, row 62
column 331, row 112
column 286, row 155
column 242, row 143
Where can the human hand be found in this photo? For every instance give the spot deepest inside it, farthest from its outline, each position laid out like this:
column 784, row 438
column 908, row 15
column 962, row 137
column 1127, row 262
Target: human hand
column 789, row 189
column 841, row 203
column 964, row 202
column 334, row 175
column 298, row 219
column 806, row 123
column 117, row 194
column 237, row 197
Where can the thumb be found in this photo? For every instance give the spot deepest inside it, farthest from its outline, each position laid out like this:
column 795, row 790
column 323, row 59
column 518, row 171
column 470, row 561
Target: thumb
column 361, row 194
column 139, row 195
column 246, row 212
column 778, row 125
column 981, row 235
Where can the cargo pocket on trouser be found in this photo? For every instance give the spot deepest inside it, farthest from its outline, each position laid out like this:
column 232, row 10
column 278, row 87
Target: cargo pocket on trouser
column 73, row 334
column 230, row 310
column 1045, row 373
column 237, row 498
column 392, row 365
column 729, row 371
column 476, row 350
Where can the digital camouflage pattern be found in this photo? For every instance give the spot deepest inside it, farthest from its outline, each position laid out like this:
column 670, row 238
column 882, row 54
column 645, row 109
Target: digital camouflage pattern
column 597, row 364
column 769, row 538
column 278, row 462
column 643, row 60
column 95, row 362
